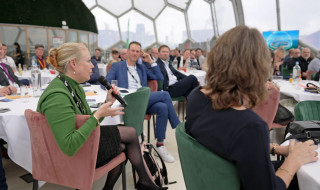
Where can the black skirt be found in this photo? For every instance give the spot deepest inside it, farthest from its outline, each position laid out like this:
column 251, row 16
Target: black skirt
column 109, row 144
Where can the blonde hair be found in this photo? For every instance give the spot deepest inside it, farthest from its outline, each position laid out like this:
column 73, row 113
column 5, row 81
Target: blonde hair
column 238, row 68
column 65, row 53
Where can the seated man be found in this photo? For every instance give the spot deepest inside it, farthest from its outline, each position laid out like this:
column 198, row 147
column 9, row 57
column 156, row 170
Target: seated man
column 176, row 83
column 95, row 71
column 7, row 59
column 39, row 58
column 7, row 77
column 132, row 75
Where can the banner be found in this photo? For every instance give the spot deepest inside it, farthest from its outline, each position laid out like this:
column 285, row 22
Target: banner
column 285, row 39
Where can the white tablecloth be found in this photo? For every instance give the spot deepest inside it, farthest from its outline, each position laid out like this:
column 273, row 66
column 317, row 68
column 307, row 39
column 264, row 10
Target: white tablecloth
column 46, row 76
column 297, row 91
column 14, row 129
column 201, row 75
column 309, row 174
column 102, row 69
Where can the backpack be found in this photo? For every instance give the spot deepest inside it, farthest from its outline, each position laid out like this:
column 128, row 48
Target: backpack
column 158, row 174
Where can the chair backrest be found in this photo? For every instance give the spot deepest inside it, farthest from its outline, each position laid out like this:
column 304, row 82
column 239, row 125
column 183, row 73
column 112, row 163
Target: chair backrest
column 307, row 110
column 50, row 164
column 202, row 169
column 267, row 109
column 136, row 109
column 153, row 85
column 286, row 72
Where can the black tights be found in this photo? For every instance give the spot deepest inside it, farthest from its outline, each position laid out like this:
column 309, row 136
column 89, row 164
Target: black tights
column 129, row 138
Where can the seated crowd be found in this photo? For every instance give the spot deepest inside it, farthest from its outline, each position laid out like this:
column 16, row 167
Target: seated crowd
column 228, row 93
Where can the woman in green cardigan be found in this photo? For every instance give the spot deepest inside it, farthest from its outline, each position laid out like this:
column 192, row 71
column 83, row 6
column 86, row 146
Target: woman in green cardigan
column 64, row 98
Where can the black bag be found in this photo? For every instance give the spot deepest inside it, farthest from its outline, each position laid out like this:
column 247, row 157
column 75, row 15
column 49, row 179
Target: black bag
column 283, row 116
column 156, row 173
column 304, row 130
column 312, row 88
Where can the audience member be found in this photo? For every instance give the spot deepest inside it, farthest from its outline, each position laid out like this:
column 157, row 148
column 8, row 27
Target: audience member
column 288, row 57
column 193, row 61
column 95, row 71
column 97, row 56
column 132, row 75
column 303, row 60
column 199, row 56
column 176, row 83
column 184, row 59
column 314, row 65
column 123, row 54
column 18, row 55
column 7, row 77
column 278, row 60
column 39, row 58
column 154, row 54
column 115, row 55
column 59, row 106
column 7, row 59
column 175, row 55
column 220, row 117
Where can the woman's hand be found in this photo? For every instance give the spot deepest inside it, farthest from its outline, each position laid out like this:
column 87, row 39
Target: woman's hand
column 12, row 89
column 106, row 110
column 4, row 91
column 303, row 152
column 110, row 98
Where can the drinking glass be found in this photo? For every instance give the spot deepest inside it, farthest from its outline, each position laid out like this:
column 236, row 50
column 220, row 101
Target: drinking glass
column 114, row 82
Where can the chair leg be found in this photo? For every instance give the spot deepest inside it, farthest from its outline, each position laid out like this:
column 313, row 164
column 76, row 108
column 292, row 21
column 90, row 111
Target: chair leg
column 124, row 182
column 154, row 126
column 149, row 131
column 182, row 110
column 134, row 177
column 35, row 184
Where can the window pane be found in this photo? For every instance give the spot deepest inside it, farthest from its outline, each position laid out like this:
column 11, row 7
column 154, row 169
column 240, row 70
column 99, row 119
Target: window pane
column 57, row 38
column 9, row 35
column 225, row 15
column 37, row 36
column 151, row 8
column 93, row 42
column 171, row 27
column 116, row 7
column 140, row 28
column 72, row 36
column 201, row 27
column 84, row 38
column 107, row 28
column 179, row 3
column 260, row 14
column 307, row 22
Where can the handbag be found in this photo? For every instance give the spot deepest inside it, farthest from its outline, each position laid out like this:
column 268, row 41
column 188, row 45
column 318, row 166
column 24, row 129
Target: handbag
column 312, row 88
column 304, row 130
column 283, row 116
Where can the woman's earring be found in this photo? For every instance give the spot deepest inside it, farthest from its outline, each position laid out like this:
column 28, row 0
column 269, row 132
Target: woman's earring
column 74, row 72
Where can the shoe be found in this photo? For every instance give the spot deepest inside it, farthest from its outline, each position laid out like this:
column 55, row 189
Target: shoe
column 141, row 186
column 4, row 153
column 165, row 155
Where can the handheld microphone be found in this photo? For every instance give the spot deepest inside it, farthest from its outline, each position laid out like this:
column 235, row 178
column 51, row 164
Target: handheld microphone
column 105, row 83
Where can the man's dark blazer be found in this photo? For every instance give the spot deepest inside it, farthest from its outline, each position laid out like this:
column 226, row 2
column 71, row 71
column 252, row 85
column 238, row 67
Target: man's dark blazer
column 4, row 81
column 165, row 74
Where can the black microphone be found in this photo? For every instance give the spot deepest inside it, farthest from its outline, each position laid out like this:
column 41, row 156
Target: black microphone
column 105, row 83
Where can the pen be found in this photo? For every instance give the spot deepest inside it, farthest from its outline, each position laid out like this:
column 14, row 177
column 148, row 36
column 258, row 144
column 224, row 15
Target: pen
column 9, row 91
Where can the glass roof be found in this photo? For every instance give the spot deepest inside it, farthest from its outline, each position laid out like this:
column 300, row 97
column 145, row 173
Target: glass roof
column 173, row 22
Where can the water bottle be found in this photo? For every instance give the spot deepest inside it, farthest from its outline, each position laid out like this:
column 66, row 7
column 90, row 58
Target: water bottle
column 175, row 63
column 35, row 78
column 296, row 73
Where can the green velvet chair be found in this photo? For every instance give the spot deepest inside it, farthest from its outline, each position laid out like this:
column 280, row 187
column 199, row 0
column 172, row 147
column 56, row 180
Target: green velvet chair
column 136, row 109
column 307, row 110
column 203, row 169
column 286, row 72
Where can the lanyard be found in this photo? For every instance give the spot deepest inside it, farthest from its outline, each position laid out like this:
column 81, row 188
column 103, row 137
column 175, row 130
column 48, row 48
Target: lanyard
column 134, row 77
column 74, row 95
